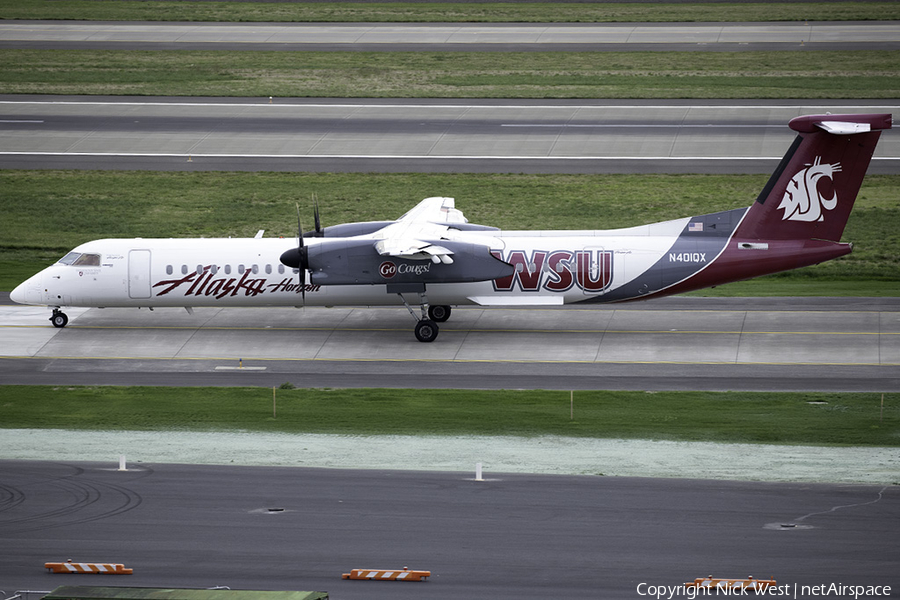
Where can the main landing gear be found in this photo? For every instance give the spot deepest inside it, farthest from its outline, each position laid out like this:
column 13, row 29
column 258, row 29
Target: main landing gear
column 427, row 325
column 439, row 313
column 426, row 330
column 59, row 318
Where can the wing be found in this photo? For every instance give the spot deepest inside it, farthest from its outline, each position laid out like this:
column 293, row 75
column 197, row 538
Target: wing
column 434, row 210
column 428, row 220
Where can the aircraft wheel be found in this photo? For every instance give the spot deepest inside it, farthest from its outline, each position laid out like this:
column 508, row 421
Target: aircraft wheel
column 439, row 313
column 59, row 319
column 426, row 330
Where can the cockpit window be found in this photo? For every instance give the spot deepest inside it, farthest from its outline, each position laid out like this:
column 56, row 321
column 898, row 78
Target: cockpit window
column 87, row 260
column 78, row 259
column 69, row 258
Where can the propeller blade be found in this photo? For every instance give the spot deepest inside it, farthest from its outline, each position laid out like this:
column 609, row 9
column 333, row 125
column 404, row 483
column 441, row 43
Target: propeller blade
column 319, row 232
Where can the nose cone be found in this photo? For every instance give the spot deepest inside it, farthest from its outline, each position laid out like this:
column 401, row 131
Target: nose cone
column 18, row 294
column 27, row 292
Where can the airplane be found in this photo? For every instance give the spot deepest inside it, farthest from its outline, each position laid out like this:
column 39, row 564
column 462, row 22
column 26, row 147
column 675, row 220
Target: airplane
column 433, row 257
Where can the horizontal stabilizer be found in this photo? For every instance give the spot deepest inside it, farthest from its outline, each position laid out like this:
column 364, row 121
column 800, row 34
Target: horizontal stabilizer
column 812, row 123
column 844, row 128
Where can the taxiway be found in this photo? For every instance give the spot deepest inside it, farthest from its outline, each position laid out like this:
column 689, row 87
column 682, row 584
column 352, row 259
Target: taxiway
column 479, row 37
column 411, row 135
column 840, row 344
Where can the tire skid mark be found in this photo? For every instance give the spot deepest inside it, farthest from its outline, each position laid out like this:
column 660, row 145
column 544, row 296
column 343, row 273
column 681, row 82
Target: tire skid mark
column 10, row 497
column 77, row 499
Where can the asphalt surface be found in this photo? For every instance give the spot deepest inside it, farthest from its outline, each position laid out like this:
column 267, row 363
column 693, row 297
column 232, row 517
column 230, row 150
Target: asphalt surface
column 508, row 537
column 411, row 135
column 481, row 37
column 796, row 344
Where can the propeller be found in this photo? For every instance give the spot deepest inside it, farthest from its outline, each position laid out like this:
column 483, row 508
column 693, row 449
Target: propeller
column 298, row 258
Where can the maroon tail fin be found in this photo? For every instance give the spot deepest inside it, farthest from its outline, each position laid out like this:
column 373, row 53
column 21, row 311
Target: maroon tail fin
column 811, row 193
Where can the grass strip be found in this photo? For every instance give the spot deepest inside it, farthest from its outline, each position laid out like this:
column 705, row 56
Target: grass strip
column 783, row 418
column 665, row 75
column 46, row 213
column 462, row 12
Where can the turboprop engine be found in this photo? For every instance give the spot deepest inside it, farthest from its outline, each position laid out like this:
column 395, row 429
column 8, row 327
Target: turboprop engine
column 357, row 262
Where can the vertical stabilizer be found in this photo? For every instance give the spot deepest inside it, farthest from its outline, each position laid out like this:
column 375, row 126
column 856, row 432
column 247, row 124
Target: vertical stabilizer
column 811, row 193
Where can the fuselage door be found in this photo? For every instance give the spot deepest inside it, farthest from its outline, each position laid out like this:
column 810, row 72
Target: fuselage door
column 139, row 274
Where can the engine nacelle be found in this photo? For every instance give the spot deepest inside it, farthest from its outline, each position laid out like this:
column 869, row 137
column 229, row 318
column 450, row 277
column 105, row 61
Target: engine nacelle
column 356, row 262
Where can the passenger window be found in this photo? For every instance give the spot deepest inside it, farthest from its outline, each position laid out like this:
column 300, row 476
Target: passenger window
column 240, row 269
column 184, row 269
column 214, row 269
column 281, row 269
column 228, row 269
column 268, row 269
column 199, row 269
column 255, row 269
column 168, row 269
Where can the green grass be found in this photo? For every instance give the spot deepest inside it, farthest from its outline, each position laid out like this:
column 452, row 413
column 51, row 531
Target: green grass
column 46, row 213
column 123, row 10
column 629, row 75
column 785, row 418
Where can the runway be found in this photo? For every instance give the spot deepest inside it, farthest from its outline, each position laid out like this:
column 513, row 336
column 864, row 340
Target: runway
column 411, row 136
column 517, row 37
column 678, row 344
column 509, row 537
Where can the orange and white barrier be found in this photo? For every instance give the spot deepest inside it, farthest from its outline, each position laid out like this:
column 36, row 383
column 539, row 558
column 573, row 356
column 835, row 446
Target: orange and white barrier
column 759, row 585
column 403, row 574
column 74, row 567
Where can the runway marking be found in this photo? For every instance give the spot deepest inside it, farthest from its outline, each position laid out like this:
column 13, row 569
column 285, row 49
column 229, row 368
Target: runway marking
column 455, row 330
column 523, row 361
column 295, row 104
column 480, row 157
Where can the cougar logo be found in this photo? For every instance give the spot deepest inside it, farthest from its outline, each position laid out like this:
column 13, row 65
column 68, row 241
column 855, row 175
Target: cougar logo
column 802, row 200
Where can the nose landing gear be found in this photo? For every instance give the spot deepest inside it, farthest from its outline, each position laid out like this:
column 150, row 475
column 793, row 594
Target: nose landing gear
column 59, row 318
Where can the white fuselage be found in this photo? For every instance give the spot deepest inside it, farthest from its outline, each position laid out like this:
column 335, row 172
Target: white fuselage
column 553, row 267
